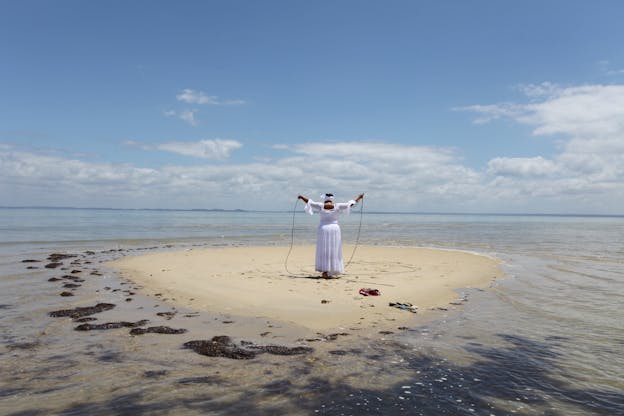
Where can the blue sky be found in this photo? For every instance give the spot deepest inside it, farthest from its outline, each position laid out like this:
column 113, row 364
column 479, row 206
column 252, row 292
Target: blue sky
column 481, row 106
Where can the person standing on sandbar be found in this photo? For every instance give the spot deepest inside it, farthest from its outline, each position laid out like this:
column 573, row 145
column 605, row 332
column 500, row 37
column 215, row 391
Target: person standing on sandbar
column 328, row 238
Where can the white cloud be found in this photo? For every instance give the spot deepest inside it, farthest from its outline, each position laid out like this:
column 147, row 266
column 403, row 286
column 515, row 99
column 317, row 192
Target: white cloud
column 134, row 143
column 395, row 177
column 191, row 96
column 588, row 111
column 543, row 89
column 217, row 149
column 522, row 167
column 589, row 122
column 605, row 67
column 586, row 174
column 204, row 149
column 585, row 111
column 400, row 177
column 492, row 112
column 186, row 115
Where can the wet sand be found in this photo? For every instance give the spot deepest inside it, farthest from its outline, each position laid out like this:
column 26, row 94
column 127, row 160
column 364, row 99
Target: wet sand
column 253, row 282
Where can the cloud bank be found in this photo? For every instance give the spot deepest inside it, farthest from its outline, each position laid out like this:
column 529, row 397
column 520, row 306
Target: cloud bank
column 586, row 175
column 589, row 169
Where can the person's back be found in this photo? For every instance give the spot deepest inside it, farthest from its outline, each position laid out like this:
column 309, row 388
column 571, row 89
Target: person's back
column 328, row 239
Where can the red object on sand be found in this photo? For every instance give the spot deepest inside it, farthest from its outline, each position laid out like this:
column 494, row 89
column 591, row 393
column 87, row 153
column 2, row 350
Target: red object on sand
column 365, row 291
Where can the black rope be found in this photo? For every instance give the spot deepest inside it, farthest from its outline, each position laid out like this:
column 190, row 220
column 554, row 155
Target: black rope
column 357, row 240
column 292, row 237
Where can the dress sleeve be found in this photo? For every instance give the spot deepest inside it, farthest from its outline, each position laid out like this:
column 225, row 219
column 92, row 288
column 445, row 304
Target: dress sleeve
column 312, row 207
column 345, row 207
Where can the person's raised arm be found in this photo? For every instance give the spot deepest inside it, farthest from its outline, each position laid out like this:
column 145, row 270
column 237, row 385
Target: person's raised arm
column 303, row 198
column 359, row 198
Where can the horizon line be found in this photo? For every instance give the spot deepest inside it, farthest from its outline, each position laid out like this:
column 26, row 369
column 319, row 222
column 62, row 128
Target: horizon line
column 510, row 214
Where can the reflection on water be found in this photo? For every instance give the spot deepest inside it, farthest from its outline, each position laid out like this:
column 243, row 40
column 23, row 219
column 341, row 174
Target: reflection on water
column 545, row 340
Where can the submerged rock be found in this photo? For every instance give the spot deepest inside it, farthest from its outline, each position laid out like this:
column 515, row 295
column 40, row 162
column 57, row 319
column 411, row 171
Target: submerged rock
column 66, row 294
column 82, row 311
column 31, row 261
column 53, row 265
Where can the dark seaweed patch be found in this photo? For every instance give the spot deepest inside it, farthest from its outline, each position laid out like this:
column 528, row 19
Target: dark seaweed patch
column 155, row 373
column 167, row 315
column 11, row 391
column 330, row 337
column 87, row 319
column 23, row 345
column 201, row 380
column 279, row 386
column 110, row 325
column 220, row 346
column 60, row 256
column 157, row 330
column 111, row 357
column 82, row 311
column 281, row 350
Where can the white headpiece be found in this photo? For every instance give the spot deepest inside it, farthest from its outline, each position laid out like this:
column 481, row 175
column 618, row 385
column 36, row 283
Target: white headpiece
column 327, row 197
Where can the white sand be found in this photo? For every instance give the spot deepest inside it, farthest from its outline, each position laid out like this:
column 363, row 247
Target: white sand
column 252, row 281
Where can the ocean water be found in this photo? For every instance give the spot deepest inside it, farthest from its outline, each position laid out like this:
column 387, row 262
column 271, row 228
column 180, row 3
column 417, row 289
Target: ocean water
column 545, row 340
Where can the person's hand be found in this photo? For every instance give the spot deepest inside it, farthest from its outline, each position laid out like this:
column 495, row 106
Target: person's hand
column 360, row 196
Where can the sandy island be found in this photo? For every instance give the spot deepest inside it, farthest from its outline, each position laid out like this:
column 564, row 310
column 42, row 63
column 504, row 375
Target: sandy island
column 253, row 282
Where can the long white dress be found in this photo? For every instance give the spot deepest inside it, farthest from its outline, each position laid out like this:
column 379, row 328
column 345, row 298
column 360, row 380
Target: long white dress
column 328, row 238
